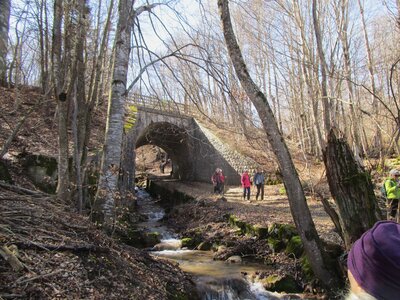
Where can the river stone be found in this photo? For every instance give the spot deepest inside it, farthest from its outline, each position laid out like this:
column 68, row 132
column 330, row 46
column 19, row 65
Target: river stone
column 204, row 246
column 278, row 283
column 152, row 238
column 167, row 246
column 234, row 259
column 221, row 249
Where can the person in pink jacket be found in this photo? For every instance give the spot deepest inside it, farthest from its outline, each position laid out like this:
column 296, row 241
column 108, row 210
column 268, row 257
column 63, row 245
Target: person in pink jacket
column 246, row 183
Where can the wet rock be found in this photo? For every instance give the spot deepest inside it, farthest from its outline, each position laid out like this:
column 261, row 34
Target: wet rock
column 204, row 246
column 278, row 283
column 151, row 238
column 234, row 259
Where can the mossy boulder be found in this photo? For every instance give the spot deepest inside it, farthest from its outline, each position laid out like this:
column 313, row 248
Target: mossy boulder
column 151, row 238
column 4, row 173
column 41, row 169
column 276, row 245
column 188, row 243
column 295, row 247
column 277, row 283
column 204, row 246
column 260, row 231
column 132, row 237
column 246, row 228
column 282, row 231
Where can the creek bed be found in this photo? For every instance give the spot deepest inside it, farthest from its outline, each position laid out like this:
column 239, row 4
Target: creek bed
column 219, row 280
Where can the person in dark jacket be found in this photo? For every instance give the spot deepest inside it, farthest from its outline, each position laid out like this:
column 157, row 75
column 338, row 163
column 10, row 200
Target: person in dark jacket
column 259, row 180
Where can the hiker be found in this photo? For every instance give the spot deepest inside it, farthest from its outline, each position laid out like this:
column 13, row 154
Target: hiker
column 259, row 180
column 217, row 180
column 222, row 182
column 246, row 183
column 392, row 187
column 164, row 164
column 373, row 263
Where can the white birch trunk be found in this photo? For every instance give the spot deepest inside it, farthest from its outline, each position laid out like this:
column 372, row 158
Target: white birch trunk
column 104, row 206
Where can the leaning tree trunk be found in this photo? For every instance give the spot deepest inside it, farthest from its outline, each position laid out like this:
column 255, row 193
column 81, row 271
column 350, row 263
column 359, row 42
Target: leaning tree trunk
column 351, row 188
column 298, row 205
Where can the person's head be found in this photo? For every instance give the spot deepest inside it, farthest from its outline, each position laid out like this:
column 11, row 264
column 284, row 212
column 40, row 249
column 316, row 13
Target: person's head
column 246, row 171
column 374, row 263
column 394, row 173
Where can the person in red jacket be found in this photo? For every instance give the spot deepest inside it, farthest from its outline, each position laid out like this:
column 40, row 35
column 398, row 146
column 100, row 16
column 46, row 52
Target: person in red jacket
column 246, row 183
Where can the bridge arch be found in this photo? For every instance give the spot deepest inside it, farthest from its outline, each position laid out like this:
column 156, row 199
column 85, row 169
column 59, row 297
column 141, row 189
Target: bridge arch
column 195, row 151
column 174, row 141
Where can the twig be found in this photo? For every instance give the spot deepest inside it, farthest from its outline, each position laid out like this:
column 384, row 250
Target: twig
column 39, row 276
column 21, row 190
column 73, row 248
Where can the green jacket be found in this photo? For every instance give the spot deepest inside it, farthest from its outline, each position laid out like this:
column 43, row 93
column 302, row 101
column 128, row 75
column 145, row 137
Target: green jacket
column 392, row 190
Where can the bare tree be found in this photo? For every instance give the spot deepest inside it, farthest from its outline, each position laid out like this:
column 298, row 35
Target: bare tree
column 63, row 184
column 297, row 201
column 107, row 192
column 4, row 25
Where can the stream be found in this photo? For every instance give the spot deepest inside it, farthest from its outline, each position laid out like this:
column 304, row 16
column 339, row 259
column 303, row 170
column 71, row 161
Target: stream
column 215, row 280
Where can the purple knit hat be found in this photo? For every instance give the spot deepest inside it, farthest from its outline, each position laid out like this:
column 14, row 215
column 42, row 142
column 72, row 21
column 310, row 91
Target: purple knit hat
column 374, row 260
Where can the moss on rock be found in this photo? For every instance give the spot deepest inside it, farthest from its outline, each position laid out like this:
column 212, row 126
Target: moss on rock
column 275, row 245
column 204, row 246
column 152, row 238
column 277, row 283
column 188, row 243
column 295, row 247
column 260, row 232
column 306, row 267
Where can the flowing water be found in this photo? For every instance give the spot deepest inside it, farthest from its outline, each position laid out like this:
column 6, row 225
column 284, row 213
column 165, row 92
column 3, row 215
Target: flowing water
column 215, row 280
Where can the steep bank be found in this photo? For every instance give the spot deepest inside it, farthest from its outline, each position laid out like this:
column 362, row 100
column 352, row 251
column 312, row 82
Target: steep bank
column 49, row 252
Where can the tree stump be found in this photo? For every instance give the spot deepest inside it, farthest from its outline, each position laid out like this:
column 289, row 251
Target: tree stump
column 352, row 189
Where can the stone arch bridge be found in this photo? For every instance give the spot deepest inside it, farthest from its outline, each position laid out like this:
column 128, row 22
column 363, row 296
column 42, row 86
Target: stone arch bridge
column 194, row 150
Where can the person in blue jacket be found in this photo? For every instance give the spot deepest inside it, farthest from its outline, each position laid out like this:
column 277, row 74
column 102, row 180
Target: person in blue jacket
column 259, row 180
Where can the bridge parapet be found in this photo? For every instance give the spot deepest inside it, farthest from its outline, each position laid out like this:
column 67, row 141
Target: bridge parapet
column 161, row 105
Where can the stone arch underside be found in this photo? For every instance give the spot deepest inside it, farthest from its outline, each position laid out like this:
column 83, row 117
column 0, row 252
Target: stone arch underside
column 175, row 141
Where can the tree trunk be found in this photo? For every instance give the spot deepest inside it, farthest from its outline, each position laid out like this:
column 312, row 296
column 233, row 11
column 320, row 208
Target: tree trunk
column 107, row 192
column 342, row 21
column 375, row 104
column 351, row 188
column 321, row 54
column 297, row 201
column 63, row 192
column 4, row 25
